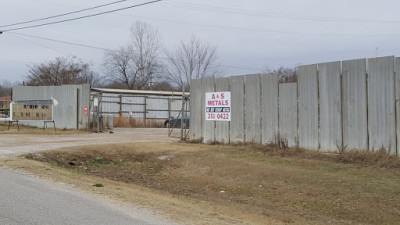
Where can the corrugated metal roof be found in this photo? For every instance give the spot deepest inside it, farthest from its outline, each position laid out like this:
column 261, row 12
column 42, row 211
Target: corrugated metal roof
column 139, row 92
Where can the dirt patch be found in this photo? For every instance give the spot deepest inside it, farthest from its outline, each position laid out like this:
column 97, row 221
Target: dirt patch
column 242, row 183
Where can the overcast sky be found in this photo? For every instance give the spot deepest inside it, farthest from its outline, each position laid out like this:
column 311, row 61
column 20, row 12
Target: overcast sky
column 249, row 35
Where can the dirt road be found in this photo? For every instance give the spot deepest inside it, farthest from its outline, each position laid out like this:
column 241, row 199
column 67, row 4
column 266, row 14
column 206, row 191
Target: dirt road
column 14, row 144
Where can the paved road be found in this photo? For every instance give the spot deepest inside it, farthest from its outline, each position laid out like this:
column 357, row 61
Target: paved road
column 25, row 199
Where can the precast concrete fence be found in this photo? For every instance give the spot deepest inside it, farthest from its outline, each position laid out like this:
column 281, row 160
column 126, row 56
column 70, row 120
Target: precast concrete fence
column 350, row 104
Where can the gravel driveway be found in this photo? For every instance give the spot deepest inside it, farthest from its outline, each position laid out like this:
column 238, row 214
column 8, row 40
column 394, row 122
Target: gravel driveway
column 14, row 144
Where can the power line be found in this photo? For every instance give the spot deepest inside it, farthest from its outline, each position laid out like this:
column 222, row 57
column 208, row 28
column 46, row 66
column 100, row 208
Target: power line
column 63, row 42
column 64, row 14
column 212, row 26
column 46, row 47
column 81, row 17
column 16, row 62
column 106, row 49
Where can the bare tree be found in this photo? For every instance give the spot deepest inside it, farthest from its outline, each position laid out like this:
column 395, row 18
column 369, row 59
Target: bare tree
column 136, row 64
column 285, row 74
column 162, row 86
column 57, row 72
column 5, row 88
column 88, row 76
column 192, row 60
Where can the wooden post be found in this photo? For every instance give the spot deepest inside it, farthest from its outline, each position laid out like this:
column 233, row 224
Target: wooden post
column 169, row 115
column 77, row 107
column 182, row 110
column 145, row 111
column 120, row 110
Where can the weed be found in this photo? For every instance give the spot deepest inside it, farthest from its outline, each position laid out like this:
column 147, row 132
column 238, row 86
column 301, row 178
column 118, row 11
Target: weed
column 281, row 142
column 379, row 158
column 341, row 150
column 98, row 159
column 98, row 185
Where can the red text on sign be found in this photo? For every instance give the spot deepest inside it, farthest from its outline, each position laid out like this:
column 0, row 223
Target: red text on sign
column 217, row 103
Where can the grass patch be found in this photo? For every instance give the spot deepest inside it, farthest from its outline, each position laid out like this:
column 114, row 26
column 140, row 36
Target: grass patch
column 247, row 183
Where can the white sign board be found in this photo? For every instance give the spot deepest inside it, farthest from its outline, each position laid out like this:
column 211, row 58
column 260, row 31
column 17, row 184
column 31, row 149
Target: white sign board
column 95, row 102
column 218, row 106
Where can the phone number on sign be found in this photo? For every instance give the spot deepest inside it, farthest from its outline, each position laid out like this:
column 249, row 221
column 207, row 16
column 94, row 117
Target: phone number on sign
column 218, row 116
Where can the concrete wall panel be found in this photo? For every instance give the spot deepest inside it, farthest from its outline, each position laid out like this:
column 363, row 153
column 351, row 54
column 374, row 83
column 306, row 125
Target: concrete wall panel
column 222, row 127
column 288, row 113
column 397, row 91
column 337, row 106
column 236, row 131
column 207, row 85
column 381, row 98
column 196, row 110
column 308, row 107
column 269, row 108
column 354, row 88
column 252, row 108
column 330, row 106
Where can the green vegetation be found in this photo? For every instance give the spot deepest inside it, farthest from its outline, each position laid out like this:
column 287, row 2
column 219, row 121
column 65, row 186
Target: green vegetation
column 98, row 185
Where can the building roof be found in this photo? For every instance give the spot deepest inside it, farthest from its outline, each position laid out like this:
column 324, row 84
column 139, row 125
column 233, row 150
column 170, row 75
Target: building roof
column 139, row 92
column 34, row 102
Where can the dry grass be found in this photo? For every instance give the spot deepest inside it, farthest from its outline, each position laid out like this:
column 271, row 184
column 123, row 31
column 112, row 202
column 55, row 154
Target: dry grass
column 35, row 130
column 245, row 184
column 380, row 158
column 137, row 123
